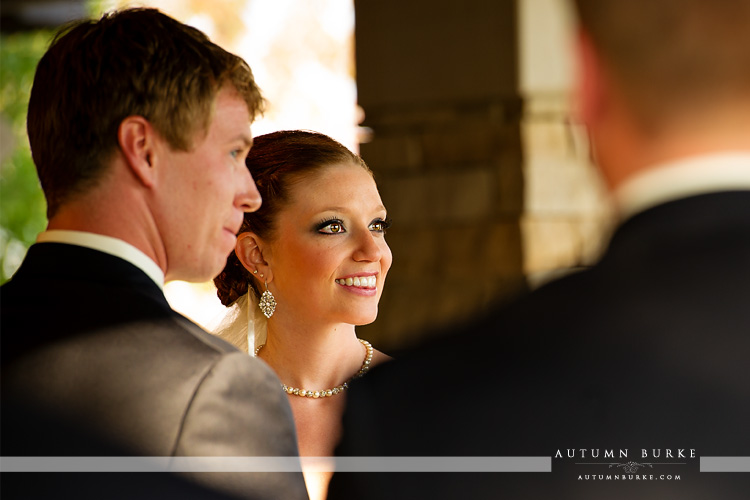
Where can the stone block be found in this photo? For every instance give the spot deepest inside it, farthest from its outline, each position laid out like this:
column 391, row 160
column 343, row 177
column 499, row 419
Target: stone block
column 550, row 243
column 440, row 197
column 416, row 251
column 393, row 152
column 434, row 51
column 509, row 201
column 562, row 186
column 562, row 242
column 501, row 251
column 462, row 143
column 547, row 136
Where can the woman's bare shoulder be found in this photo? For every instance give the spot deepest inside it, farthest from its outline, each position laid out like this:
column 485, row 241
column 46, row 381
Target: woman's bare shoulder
column 379, row 357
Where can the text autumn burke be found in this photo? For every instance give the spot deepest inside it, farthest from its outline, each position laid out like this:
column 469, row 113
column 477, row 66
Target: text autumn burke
column 623, row 453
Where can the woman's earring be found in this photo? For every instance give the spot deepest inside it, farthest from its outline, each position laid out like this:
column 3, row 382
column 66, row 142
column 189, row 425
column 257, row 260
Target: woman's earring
column 267, row 303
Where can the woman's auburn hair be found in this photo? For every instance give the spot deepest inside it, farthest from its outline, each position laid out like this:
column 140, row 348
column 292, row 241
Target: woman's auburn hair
column 278, row 161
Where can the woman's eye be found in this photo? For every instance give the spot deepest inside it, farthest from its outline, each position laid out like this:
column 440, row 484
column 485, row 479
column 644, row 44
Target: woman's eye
column 380, row 225
column 235, row 154
column 332, row 228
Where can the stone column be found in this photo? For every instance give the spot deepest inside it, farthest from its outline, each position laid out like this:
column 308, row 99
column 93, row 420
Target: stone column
column 438, row 83
column 567, row 214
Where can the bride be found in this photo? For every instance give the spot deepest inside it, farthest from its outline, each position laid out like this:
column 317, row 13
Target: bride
column 308, row 267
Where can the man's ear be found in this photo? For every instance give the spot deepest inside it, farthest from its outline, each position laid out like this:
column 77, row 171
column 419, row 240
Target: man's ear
column 138, row 143
column 249, row 250
column 590, row 84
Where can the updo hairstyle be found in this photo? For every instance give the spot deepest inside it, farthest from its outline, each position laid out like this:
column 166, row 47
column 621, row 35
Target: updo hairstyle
column 278, row 161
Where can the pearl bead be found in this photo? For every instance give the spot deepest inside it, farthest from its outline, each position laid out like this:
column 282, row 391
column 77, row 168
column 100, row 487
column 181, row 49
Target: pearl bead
column 329, row 392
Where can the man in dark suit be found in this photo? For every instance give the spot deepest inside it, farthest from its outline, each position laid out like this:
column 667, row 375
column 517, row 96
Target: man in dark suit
column 630, row 378
column 139, row 127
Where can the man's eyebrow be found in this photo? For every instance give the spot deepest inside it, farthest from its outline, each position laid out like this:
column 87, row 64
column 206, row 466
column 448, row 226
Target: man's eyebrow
column 246, row 139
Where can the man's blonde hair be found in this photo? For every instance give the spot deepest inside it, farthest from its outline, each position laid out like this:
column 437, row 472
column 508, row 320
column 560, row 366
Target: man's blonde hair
column 130, row 62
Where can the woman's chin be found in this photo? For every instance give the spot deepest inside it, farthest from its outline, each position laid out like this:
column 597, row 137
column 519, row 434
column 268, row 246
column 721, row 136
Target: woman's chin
column 364, row 318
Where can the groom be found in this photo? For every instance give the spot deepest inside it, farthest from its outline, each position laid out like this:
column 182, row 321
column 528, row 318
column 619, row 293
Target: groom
column 629, row 379
column 139, row 127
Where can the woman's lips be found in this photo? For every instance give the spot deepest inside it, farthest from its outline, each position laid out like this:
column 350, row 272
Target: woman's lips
column 365, row 285
column 359, row 281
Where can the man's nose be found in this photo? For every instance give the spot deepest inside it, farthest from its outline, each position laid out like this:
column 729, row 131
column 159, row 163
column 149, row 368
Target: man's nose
column 249, row 199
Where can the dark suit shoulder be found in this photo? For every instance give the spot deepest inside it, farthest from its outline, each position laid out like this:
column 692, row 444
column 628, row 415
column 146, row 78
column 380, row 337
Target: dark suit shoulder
column 97, row 342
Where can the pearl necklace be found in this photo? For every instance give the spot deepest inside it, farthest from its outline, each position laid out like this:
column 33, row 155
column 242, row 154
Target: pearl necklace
column 328, row 392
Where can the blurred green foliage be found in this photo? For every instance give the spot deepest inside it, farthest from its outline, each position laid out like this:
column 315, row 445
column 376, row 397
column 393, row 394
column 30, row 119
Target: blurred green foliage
column 22, row 205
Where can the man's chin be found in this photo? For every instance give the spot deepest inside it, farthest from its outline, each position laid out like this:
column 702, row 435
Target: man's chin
column 197, row 275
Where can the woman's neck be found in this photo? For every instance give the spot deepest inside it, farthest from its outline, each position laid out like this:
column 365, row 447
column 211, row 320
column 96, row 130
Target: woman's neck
column 312, row 357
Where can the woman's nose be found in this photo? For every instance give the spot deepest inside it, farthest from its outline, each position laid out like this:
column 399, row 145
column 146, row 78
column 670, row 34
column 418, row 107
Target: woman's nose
column 368, row 248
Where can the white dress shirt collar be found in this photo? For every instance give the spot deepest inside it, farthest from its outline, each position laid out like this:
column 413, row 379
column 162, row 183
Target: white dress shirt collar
column 109, row 245
column 729, row 171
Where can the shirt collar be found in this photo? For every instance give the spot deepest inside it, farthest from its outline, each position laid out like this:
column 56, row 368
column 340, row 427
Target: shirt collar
column 729, row 171
column 109, row 245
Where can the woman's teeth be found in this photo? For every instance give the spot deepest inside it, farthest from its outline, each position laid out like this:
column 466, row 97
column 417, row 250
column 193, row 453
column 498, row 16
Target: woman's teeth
column 363, row 282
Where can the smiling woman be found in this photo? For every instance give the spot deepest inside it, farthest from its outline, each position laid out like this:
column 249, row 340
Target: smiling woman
column 308, row 267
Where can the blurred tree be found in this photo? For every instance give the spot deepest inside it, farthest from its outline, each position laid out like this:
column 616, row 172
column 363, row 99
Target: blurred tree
column 22, row 205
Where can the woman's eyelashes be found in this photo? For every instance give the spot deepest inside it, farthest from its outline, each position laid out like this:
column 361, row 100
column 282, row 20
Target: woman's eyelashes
column 331, row 226
column 337, row 226
column 380, row 225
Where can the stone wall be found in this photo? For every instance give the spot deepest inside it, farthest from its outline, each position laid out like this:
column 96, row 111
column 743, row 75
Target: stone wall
column 486, row 182
column 566, row 214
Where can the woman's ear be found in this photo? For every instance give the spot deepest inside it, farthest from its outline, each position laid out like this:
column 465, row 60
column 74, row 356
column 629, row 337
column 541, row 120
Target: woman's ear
column 137, row 140
column 249, row 250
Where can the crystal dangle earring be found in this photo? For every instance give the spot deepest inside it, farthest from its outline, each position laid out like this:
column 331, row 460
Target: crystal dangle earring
column 267, row 303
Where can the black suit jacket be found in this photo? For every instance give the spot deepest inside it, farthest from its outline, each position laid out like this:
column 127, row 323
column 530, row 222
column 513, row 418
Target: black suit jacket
column 648, row 350
column 90, row 339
